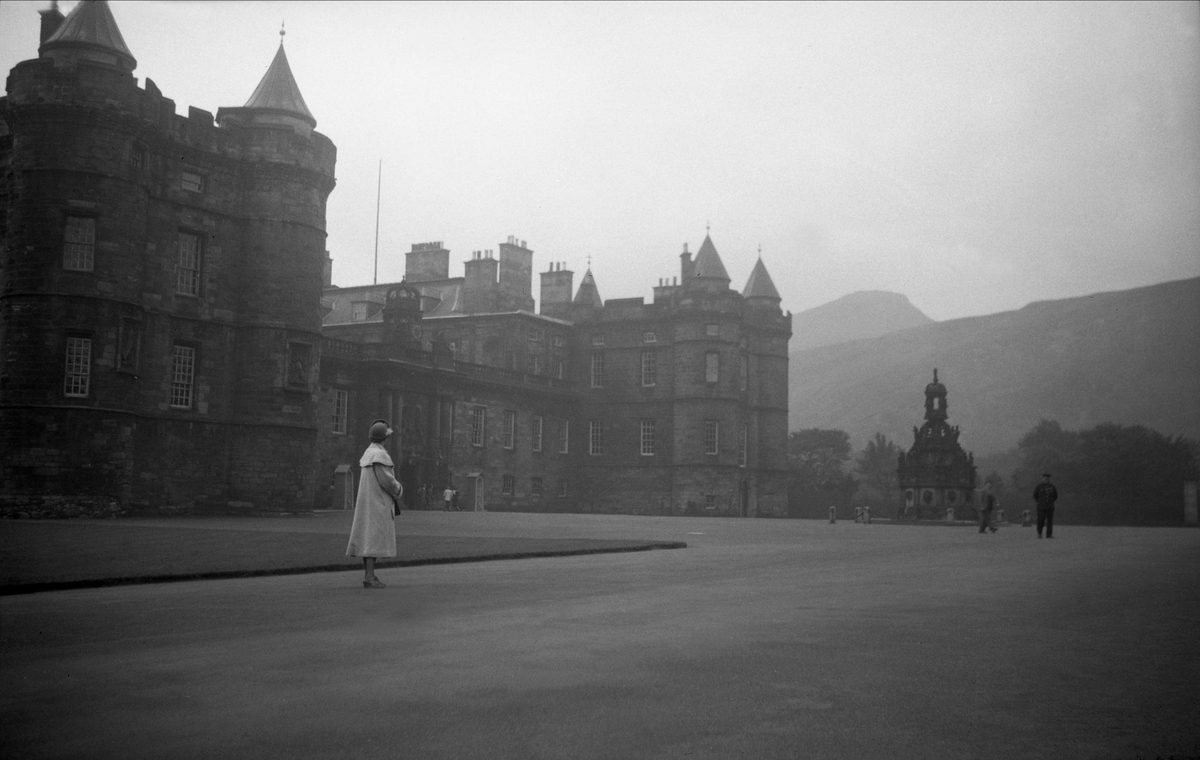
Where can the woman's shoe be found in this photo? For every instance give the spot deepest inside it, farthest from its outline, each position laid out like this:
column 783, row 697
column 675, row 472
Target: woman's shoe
column 374, row 583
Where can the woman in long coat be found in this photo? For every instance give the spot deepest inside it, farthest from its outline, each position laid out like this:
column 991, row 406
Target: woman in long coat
column 373, row 533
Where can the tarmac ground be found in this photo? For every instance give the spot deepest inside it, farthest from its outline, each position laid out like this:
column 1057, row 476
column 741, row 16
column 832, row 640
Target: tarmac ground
column 761, row 639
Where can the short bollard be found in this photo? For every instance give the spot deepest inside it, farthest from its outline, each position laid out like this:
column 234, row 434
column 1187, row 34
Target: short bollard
column 950, row 515
column 1026, row 519
column 867, row 515
column 832, row 515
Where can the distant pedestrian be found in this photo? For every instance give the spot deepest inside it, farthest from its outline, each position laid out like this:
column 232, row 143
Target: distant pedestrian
column 987, row 503
column 373, row 532
column 454, row 500
column 1045, row 494
column 448, row 499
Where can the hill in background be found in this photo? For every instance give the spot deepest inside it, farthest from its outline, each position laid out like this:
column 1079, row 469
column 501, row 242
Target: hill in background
column 1129, row 357
column 865, row 314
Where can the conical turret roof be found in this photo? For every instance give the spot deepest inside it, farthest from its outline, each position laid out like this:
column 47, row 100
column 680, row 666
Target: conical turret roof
column 759, row 285
column 279, row 92
column 588, row 294
column 91, row 28
column 708, row 262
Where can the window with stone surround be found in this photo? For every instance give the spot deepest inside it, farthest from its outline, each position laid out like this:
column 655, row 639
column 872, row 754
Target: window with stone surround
column 79, row 243
column 564, row 436
column 194, row 182
column 712, row 367
column 712, row 429
column 535, row 487
column 595, row 438
column 341, row 409
column 508, row 428
column 78, row 376
column 507, row 482
column 187, row 278
column 743, row 443
column 478, row 419
column 598, row 369
column 129, row 344
column 647, row 439
column 183, row 376
column 535, row 432
column 649, row 369
column 562, row 489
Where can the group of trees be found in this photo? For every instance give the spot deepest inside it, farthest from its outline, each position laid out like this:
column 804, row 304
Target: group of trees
column 818, row 479
column 1109, row 474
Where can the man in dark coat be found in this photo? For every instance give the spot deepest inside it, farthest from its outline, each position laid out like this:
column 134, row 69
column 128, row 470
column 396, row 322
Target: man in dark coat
column 1045, row 494
column 987, row 503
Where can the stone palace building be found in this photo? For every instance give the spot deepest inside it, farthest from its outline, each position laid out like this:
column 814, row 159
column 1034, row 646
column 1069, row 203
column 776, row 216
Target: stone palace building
column 170, row 338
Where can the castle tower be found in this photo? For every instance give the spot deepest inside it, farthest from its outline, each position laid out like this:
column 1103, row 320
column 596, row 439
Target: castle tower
column 936, row 474
column 162, row 285
column 587, row 298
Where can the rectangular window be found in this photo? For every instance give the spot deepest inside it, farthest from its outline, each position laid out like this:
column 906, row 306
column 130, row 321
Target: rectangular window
column 557, row 342
column 743, row 372
column 341, row 407
column 183, row 375
column 562, row 489
column 598, row 369
column 710, row 501
column 130, row 344
column 508, row 430
column 137, row 156
column 478, row 419
column 534, row 364
column 564, row 436
column 712, row 367
column 598, row 341
column 299, row 364
column 649, row 369
column 192, row 181
column 506, row 485
column 595, row 438
column 187, row 280
column 79, row 243
column 647, row 438
column 712, row 330
column 79, row 367
column 743, row 443
column 536, row 334
column 649, row 337
column 536, row 433
column 558, row 369
column 535, row 487
column 712, row 430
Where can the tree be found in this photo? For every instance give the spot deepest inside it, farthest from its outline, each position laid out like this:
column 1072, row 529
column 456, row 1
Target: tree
column 877, row 468
column 816, row 478
column 1110, row 474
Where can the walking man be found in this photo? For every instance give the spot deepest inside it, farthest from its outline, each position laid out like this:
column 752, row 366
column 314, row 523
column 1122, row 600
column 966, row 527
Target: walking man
column 447, row 498
column 1045, row 495
column 987, row 502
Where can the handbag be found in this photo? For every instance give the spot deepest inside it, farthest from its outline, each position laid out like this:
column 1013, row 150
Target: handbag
column 395, row 501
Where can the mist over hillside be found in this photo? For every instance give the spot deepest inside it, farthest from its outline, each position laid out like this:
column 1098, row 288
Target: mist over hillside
column 865, row 314
column 1130, row 357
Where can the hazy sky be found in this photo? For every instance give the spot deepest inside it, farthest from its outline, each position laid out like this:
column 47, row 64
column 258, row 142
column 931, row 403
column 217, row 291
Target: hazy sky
column 972, row 156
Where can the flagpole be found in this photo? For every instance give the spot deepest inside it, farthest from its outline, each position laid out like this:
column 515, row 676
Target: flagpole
column 378, row 189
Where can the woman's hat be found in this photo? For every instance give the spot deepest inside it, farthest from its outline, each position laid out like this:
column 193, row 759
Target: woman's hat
column 380, row 430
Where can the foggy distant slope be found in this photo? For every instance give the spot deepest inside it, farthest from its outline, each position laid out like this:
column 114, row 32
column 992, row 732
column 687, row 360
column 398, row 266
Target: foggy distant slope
column 1131, row 357
column 865, row 314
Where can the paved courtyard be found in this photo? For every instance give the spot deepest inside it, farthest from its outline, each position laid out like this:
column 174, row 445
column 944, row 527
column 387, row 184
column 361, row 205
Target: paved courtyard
column 762, row 639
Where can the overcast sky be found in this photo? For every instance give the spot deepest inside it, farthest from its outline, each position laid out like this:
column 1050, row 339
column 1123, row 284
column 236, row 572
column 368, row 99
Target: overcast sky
column 974, row 157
